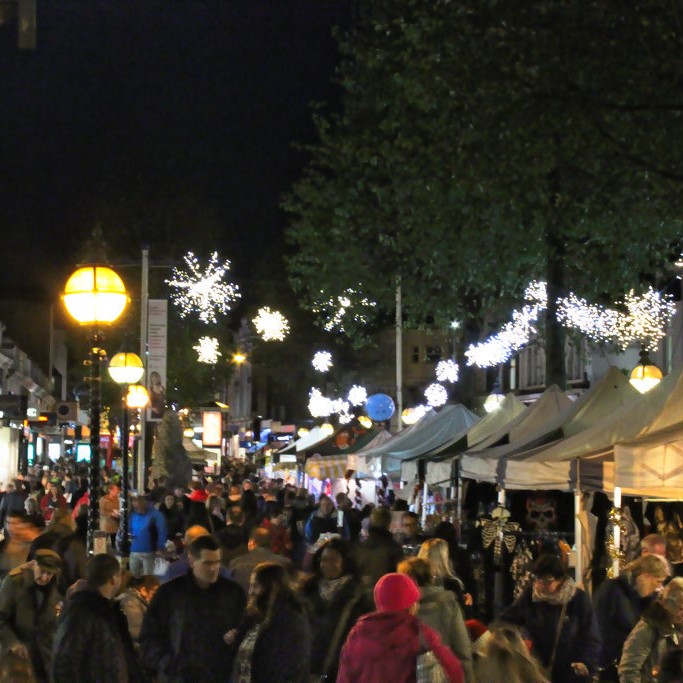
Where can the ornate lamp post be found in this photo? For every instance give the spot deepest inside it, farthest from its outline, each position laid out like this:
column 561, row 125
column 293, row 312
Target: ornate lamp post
column 95, row 297
column 126, row 369
column 646, row 375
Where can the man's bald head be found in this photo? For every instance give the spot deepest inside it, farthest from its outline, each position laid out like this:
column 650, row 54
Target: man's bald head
column 193, row 533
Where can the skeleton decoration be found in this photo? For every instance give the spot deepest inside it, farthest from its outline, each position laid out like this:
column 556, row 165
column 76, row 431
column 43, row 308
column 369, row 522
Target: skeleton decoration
column 499, row 531
column 541, row 513
column 520, row 569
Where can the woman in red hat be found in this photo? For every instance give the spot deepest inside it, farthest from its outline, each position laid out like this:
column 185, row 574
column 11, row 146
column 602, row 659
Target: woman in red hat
column 384, row 645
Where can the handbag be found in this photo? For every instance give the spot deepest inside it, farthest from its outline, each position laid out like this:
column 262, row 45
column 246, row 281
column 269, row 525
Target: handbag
column 428, row 668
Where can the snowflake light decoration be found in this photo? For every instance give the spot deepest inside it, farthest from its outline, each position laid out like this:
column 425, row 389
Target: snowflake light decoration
column 271, row 325
column 202, row 291
column 319, row 405
column 357, row 395
column 351, row 305
column 207, row 350
column 596, row 322
column 436, row 395
column 322, row 361
column 646, row 320
column 447, row 371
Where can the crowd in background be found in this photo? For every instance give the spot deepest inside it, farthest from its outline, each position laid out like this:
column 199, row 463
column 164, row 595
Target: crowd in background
column 243, row 579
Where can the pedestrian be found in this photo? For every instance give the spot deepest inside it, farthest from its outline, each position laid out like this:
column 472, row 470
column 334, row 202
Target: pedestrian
column 335, row 598
column 92, row 642
column 659, row 630
column 110, row 511
column 439, row 609
column 378, row 554
column 619, row 604
column 560, row 621
column 147, row 528
column 274, row 640
column 13, row 500
column 30, row 601
column 258, row 551
column 134, row 600
column 437, row 552
column 173, row 514
column 51, row 501
column 384, row 645
column 182, row 632
column 15, row 546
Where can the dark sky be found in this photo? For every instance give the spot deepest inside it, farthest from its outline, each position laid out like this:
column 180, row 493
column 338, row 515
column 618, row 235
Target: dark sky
column 129, row 102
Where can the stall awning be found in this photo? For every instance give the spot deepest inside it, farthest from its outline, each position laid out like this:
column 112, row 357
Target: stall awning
column 330, row 467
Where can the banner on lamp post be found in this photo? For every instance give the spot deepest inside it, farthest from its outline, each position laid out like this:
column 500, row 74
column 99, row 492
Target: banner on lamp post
column 157, row 345
column 212, row 428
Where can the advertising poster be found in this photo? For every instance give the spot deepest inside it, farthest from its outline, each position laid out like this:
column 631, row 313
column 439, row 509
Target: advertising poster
column 157, row 340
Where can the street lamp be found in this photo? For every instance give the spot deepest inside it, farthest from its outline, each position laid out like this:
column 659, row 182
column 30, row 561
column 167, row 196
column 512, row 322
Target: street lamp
column 126, row 369
column 646, row 375
column 494, row 399
column 95, row 297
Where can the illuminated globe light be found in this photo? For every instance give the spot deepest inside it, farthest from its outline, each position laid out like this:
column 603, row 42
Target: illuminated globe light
column 239, row 358
column 493, row 400
column 95, row 295
column 202, row 291
column 207, row 350
column 357, row 395
column 322, row 361
column 189, row 432
column 319, row 405
column 365, row 421
column 436, row 395
column 302, row 431
column 645, row 376
column 126, row 368
column 271, row 325
column 379, row 407
column 412, row 415
column 137, row 396
column 327, row 429
column 447, row 371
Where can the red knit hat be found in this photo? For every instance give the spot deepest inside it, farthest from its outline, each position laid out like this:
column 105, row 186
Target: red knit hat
column 479, row 634
column 395, row 592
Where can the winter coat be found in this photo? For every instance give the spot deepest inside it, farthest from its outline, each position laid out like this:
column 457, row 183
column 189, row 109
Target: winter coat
column 377, row 555
column 92, row 642
column 383, row 647
column 282, row 652
column 242, row 566
column 11, row 502
column 579, row 639
column 618, row 607
column 22, row 621
column 320, row 524
column 48, row 505
column 148, row 531
column 175, row 520
column 653, row 636
column 182, row 632
column 439, row 609
column 324, row 616
column 109, row 507
column 134, row 606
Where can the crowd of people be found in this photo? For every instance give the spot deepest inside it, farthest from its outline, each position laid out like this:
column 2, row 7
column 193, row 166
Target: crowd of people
column 245, row 579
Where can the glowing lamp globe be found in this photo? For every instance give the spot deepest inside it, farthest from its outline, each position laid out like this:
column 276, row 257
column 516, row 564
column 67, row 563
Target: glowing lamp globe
column 95, row 295
column 327, row 429
column 365, row 421
column 646, row 375
column 126, row 368
column 493, row 401
column 138, row 396
column 410, row 416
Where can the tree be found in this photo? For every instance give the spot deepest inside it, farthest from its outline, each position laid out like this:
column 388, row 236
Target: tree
column 482, row 145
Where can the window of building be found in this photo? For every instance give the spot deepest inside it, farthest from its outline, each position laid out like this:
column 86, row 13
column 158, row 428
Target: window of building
column 433, row 354
column 416, row 354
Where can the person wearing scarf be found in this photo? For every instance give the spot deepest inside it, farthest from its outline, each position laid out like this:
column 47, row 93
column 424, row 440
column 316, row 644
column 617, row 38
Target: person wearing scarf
column 559, row 620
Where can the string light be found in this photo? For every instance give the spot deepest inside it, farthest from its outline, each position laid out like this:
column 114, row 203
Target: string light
column 271, row 325
column 322, row 361
column 436, row 395
column 207, row 350
column 447, row 371
column 202, row 291
column 644, row 323
column 351, row 305
column 357, row 395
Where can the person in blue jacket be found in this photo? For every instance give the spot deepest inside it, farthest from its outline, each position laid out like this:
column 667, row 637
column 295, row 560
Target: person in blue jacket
column 147, row 528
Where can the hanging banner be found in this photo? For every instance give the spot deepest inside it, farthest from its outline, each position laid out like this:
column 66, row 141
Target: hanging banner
column 157, row 340
column 213, row 429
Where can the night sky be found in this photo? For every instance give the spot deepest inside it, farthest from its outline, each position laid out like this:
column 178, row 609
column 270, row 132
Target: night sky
column 135, row 104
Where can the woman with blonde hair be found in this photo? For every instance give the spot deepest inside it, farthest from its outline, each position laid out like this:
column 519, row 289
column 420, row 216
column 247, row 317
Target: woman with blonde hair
column 506, row 657
column 437, row 552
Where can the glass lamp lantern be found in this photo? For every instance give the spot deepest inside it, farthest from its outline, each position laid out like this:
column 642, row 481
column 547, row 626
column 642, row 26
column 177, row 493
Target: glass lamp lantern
column 126, row 368
column 95, row 295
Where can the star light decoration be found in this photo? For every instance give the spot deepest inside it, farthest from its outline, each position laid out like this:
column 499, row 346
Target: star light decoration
column 322, row 361
column 350, row 305
column 207, row 350
column 643, row 322
column 202, row 291
column 447, row 371
column 436, row 395
column 357, row 395
column 271, row 325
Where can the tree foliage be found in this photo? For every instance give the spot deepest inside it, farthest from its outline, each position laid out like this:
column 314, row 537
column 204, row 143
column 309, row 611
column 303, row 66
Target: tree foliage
column 484, row 144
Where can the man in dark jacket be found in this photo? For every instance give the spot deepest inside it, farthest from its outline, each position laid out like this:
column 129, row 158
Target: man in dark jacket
column 29, row 605
column 258, row 552
column 183, row 629
column 378, row 554
column 92, row 642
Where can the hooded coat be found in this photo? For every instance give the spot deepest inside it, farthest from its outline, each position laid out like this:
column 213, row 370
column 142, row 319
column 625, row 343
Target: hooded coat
column 383, row 647
column 653, row 636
